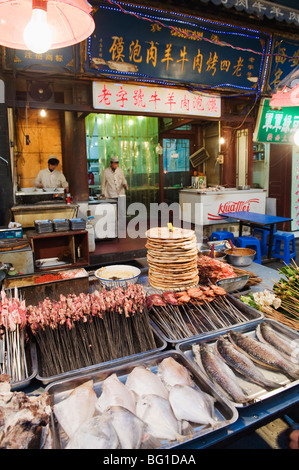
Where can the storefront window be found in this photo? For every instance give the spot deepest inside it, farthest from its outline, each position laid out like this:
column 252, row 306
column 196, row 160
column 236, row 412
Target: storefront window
column 133, row 139
column 176, row 167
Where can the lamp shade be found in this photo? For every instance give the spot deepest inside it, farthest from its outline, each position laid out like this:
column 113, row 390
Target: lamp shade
column 69, row 20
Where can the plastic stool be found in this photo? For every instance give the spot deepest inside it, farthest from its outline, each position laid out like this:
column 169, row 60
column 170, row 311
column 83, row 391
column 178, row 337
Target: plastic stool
column 284, row 246
column 222, row 235
column 251, row 242
column 262, row 234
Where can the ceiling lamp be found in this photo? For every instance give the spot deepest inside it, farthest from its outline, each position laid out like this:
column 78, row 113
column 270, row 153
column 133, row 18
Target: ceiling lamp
column 41, row 25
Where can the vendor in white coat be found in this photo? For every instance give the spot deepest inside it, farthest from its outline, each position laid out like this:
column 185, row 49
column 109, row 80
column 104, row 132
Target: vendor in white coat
column 113, row 181
column 50, row 177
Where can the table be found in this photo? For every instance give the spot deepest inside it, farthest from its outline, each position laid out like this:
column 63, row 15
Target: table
column 254, row 219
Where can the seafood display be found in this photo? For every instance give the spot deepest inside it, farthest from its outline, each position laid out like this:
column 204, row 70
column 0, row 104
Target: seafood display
column 149, row 407
column 236, row 359
column 196, row 311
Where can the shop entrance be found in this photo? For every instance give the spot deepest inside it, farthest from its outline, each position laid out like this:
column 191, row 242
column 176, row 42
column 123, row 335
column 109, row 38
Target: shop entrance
column 176, row 167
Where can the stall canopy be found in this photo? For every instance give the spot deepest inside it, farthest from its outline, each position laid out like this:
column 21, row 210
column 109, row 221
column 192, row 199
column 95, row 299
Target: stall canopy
column 280, row 10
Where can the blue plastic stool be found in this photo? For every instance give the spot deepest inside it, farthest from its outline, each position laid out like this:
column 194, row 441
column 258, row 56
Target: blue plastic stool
column 222, row 235
column 262, row 234
column 284, row 246
column 251, row 242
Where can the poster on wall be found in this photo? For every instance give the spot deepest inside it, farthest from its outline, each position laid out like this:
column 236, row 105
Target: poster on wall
column 284, row 61
column 183, row 49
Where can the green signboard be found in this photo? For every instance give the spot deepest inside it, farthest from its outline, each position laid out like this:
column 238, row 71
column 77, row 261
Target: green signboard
column 276, row 126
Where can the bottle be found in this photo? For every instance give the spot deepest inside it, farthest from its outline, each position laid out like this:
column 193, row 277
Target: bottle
column 91, row 234
column 68, row 198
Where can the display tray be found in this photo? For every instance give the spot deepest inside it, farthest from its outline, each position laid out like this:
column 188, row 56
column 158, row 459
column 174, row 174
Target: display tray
column 209, row 326
column 36, row 287
column 32, row 370
column 255, row 393
column 160, row 343
column 225, row 412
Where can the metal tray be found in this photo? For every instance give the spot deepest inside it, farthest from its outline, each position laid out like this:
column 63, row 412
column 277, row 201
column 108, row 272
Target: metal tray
column 254, row 317
column 225, row 413
column 161, row 344
column 32, row 365
column 255, row 392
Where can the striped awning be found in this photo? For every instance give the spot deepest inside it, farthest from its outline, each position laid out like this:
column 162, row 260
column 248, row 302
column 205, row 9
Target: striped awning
column 280, row 10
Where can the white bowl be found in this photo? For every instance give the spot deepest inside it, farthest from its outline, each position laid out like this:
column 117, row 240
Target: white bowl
column 117, row 275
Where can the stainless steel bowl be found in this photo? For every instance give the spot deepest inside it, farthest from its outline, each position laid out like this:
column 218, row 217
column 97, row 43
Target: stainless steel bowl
column 240, row 256
column 243, row 187
column 218, row 254
column 232, row 284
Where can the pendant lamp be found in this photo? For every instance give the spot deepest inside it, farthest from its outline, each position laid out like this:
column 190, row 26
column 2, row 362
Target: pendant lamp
column 41, row 25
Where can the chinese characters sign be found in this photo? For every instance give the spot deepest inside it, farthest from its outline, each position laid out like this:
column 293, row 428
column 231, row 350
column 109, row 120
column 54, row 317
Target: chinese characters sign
column 110, row 96
column 276, row 126
column 126, row 46
column 285, row 60
column 55, row 59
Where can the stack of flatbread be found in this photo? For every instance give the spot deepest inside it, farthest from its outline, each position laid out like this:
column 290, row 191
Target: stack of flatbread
column 172, row 258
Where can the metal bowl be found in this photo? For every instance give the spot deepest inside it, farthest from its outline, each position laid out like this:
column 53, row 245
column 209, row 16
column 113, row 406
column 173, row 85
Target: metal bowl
column 218, row 254
column 118, row 275
column 232, row 284
column 243, row 187
column 240, row 256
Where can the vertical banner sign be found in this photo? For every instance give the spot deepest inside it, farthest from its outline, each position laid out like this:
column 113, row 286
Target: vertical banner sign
column 284, row 61
column 295, row 190
column 276, row 126
column 184, row 51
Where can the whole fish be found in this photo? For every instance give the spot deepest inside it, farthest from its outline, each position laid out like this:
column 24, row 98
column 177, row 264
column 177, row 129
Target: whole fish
column 115, row 393
column 242, row 364
column 158, row 415
column 266, row 334
column 174, row 373
column 95, row 433
column 263, row 354
column 79, row 406
column 191, row 404
column 129, row 428
column 143, row 381
column 219, row 372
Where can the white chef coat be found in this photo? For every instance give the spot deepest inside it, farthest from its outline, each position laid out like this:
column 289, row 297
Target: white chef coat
column 51, row 179
column 112, row 184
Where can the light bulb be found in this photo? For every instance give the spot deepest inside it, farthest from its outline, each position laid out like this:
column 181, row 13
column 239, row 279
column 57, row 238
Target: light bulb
column 43, row 113
column 38, row 34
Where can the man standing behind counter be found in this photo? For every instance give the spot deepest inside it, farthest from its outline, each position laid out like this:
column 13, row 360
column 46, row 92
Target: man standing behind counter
column 113, row 180
column 50, row 177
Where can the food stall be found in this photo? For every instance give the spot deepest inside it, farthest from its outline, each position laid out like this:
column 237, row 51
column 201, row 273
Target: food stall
column 141, row 333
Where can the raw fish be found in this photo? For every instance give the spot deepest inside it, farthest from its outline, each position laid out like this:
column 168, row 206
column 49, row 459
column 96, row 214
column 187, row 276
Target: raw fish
column 78, row 407
column 96, row 433
column 266, row 334
column 129, row 428
column 218, row 371
column 115, row 393
column 264, row 354
column 143, row 381
column 242, row 364
column 157, row 413
column 174, row 373
column 191, row 404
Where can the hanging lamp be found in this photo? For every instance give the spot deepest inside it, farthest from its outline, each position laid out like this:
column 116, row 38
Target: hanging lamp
column 41, row 25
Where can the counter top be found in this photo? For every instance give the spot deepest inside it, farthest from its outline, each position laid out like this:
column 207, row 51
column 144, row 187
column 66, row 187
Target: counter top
column 43, row 205
column 210, row 192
